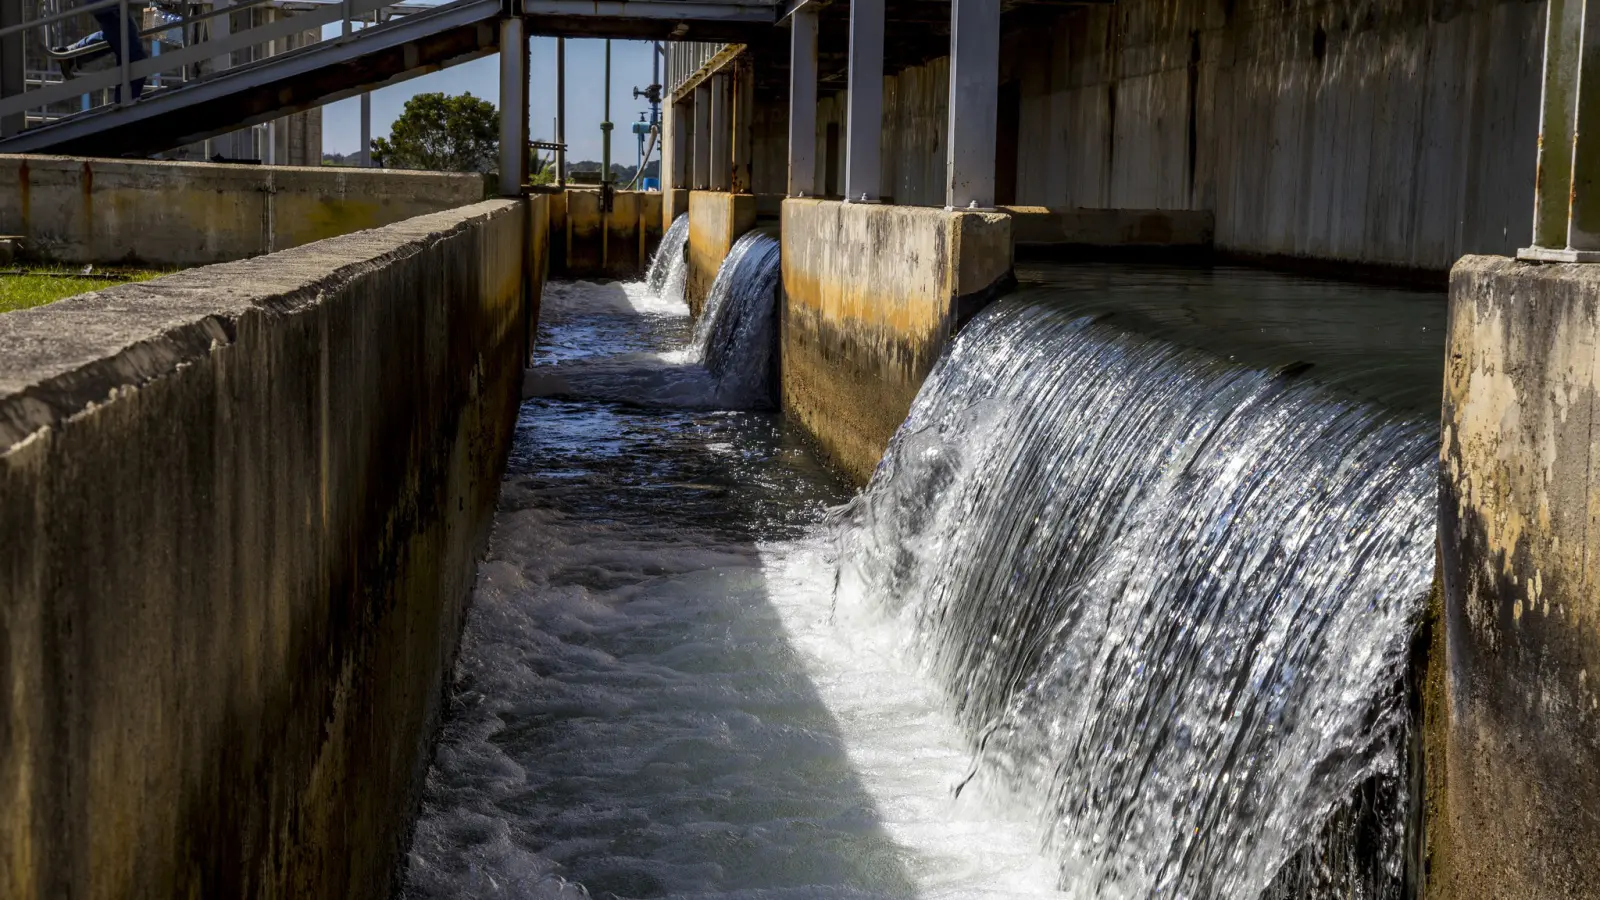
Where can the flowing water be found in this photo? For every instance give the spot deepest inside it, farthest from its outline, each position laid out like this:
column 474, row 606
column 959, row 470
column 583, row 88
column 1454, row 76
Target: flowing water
column 1121, row 615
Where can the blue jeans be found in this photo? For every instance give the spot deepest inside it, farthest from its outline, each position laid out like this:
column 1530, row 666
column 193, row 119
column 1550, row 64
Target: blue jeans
column 106, row 17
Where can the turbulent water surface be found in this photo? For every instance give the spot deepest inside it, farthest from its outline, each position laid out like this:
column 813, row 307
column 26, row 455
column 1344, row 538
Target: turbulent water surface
column 1121, row 615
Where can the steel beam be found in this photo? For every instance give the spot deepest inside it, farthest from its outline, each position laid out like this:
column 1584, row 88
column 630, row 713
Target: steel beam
column 803, row 102
column 864, row 104
column 974, row 96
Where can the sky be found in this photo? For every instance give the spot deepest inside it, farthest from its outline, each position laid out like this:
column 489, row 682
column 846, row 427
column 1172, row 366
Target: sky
column 630, row 68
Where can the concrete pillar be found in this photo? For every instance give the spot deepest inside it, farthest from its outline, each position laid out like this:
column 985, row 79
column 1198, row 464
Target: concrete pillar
column 974, row 96
column 1566, row 203
column 744, row 113
column 11, row 68
column 702, row 137
column 803, row 102
column 721, row 133
column 864, row 103
column 513, row 106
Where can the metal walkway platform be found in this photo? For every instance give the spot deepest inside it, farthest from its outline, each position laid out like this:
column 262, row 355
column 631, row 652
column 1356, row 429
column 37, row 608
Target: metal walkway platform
column 376, row 45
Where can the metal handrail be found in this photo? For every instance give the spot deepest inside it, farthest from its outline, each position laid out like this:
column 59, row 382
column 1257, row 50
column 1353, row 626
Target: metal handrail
column 345, row 11
column 60, row 16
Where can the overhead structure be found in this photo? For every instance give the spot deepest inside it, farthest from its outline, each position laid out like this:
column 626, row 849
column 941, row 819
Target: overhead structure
column 199, row 99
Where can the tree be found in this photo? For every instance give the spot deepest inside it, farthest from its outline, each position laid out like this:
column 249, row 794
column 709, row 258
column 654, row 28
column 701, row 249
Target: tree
column 442, row 133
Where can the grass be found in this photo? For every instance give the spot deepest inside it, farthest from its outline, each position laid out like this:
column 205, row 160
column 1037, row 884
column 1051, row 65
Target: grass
column 38, row 285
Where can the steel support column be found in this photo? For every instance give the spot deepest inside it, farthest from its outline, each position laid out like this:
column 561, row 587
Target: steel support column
column 803, row 102
column 864, row 104
column 561, row 111
column 702, row 137
column 364, row 158
column 974, row 95
column 1566, row 202
column 681, row 131
column 513, row 106
column 744, row 113
column 721, row 133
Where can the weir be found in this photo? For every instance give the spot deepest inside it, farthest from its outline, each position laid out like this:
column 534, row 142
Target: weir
column 938, row 488
column 1133, row 570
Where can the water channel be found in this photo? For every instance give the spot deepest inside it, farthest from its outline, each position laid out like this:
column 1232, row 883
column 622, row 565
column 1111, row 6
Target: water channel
column 1123, row 614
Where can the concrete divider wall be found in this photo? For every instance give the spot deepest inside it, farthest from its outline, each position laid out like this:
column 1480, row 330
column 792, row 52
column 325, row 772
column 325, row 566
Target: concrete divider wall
column 716, row 220
column 616, row 244
column 871, row 296
column 1382, row 132
column 161, row 213
column 243, row 506
column 1514, row 755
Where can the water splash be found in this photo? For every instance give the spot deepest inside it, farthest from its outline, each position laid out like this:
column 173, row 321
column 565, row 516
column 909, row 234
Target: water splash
column 736, row 337
column 669, row 268
column 1167, row 595
column 727, row 363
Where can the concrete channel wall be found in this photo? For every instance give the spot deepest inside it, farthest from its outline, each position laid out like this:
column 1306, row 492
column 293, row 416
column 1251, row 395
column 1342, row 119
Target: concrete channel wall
column 1514, row 765
column 1381, row 132
column 163, row 213
column 871, row 295
column 590, row 242
column 243, row 506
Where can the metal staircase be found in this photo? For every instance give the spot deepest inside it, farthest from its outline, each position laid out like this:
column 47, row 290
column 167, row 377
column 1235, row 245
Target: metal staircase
column 233, row 67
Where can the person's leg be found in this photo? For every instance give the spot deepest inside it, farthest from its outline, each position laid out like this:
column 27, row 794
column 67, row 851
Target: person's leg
column 106, row 17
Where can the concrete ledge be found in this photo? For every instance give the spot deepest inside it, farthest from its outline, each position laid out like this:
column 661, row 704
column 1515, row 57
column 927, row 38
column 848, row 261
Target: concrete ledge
column 716, row 220
column 872, row 294
column 1040, row 227
column 75, row 210
column 243, row 506
column 1512, row 806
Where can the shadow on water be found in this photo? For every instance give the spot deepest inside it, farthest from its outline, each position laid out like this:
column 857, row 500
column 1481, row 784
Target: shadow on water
column 628, row 713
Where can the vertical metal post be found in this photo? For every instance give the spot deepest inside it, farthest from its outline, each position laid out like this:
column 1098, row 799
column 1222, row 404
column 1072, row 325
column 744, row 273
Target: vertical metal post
column 864, row 103
column 561, row 111
column 364, row 159
column 803, row 102
column 974, row 96
column 720, row 133
column 13, row 74
column 702, row 136
column 680, row 130
column 125, row 92
column 1566, row 207
column 605, row 131
column 742, row 180
column 513, row 106
column 219, row 27
column 1583, row 216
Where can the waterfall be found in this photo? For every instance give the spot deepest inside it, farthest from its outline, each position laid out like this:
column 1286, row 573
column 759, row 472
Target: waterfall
column 668, row 268
column 735, row 339
column 729, row 359
column 1168, row 596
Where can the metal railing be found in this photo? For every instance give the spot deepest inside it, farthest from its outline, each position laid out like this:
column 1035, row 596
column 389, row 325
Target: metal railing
column 686, row 58
column 210, row 39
